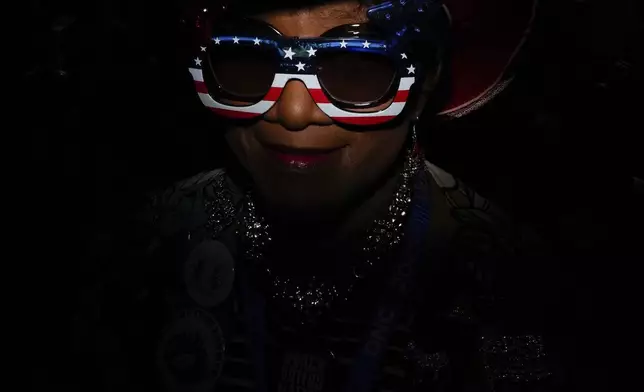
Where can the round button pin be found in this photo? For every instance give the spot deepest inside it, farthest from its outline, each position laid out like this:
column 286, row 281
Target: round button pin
column 209, row 273
column 190, row 354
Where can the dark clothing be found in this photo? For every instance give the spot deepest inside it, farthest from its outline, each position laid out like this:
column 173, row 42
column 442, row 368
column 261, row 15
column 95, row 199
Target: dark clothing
column 181, row 311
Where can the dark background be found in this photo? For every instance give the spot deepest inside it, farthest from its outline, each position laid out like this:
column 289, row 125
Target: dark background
column 108, row 112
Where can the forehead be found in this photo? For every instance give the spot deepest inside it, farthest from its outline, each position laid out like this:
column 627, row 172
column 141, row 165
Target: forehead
column 314, row 21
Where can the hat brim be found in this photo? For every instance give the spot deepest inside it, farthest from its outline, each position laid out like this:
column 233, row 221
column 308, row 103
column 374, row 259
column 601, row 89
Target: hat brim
column 486, row 38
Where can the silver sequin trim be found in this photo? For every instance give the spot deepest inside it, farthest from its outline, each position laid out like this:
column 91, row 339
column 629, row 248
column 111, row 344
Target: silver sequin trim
column 221, row 209
column 515, row 358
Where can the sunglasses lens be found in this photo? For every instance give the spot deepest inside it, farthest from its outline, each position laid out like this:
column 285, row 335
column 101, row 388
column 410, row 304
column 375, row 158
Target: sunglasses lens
column 243, row 74
column 356, row 78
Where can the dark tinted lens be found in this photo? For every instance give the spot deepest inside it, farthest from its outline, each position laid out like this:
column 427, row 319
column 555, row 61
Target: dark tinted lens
column 356, row 78
column 242, row 72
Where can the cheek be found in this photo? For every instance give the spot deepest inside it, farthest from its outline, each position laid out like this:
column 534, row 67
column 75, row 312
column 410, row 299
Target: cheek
column 375, row 150
column 238, row 143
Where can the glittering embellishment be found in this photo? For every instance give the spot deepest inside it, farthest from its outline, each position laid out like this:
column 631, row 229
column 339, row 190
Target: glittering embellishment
column 315, row 295
column 515, row 358
column 462, row 314
column 459, row 312
column 434, row 361
column 425, row 365
column 220, row 208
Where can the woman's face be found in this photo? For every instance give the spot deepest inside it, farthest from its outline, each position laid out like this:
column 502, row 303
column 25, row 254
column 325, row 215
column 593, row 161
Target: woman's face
column 300, row 160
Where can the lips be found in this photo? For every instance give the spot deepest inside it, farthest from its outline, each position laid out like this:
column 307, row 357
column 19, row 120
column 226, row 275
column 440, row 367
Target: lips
column 301, row 158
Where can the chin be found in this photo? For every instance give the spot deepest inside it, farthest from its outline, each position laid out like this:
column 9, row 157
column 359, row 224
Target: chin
column 301, row 205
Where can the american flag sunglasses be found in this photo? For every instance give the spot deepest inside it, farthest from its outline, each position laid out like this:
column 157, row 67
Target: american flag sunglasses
column 353, row 76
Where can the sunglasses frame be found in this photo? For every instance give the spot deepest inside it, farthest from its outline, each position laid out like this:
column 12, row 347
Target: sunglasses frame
column 297, row 60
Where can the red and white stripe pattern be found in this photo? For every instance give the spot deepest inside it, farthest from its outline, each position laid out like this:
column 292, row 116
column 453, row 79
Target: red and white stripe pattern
column 313, row 85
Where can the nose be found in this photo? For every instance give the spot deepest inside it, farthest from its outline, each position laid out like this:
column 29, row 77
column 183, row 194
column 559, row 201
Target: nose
column 295, row 109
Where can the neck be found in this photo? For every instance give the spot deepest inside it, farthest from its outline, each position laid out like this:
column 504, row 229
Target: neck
column 338, row 231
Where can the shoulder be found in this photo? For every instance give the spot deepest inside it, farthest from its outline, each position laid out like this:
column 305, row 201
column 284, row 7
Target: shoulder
column 465, row 204
column 182, row 205
column 502, row 279
column 489, row 248
column 471, row 215
column 120, row 281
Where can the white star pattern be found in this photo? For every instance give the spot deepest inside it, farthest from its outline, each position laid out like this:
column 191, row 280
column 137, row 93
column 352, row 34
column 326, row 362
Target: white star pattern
column 300, row 66
column 403, row 56
column 343, row 44
column 217, row 41
column 198, row 61
column 203, row 48
column 411, row 70
column 256, row 41
column 235, row 40
column 311, row 52
column 288, row 54
column 366, row 44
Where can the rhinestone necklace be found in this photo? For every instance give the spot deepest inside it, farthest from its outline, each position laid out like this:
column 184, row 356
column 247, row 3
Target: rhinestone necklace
column 312, row 297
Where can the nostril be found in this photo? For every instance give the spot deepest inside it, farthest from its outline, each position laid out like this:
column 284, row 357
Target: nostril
column 296, row 108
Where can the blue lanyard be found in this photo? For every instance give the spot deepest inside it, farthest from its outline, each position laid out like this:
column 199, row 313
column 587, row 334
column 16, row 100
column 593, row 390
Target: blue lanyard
column 254, row 306
column 401, row 284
